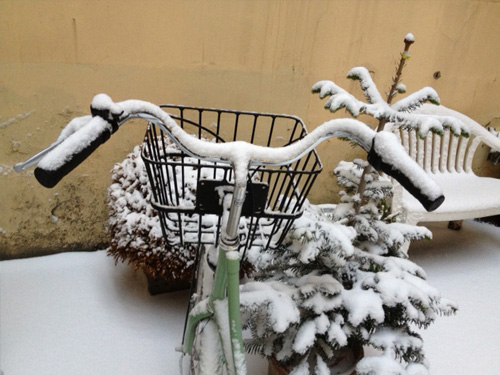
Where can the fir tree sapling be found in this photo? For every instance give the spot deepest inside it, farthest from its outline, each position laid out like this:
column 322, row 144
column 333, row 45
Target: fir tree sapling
column 346, row 281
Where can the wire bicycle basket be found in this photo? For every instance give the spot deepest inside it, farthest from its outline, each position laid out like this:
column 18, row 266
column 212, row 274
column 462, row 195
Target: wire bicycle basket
column 188, row 192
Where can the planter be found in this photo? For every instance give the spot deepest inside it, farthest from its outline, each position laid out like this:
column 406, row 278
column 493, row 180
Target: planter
column 342, row 363
column 162, row 285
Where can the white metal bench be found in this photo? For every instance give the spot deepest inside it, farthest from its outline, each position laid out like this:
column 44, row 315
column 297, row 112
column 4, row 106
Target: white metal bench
column 448, row 159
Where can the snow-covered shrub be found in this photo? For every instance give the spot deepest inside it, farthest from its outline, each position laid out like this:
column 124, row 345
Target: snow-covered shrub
column 383, row 109
column 135, row 229
column 134, row 226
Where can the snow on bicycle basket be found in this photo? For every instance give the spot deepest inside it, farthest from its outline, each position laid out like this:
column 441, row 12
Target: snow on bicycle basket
column 188, row 193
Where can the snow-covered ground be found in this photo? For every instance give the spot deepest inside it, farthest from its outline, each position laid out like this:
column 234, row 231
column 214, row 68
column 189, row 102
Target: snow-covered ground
column 78, row 313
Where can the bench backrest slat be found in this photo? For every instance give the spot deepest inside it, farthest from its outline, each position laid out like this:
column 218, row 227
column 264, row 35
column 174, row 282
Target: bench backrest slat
column 428, row 154
column 442, row 163
column 453, row 165
column 473, row 142
column 439, row 153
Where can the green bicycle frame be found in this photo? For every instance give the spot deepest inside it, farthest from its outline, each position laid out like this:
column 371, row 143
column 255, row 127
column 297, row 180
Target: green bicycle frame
column 225, row 287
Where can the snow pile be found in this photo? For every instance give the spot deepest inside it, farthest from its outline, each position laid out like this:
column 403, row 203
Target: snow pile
column 79, row 314
column 78, row 135
column 73, row 126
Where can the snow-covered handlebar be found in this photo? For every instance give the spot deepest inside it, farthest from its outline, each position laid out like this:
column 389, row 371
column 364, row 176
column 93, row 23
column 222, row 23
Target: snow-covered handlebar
column 85, row 134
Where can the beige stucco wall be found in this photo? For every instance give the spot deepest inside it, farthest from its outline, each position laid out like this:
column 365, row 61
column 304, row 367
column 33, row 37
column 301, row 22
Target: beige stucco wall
column 255, row 55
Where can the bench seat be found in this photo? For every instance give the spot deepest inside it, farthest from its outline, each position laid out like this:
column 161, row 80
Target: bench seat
column 448, row 160
column 467, row 196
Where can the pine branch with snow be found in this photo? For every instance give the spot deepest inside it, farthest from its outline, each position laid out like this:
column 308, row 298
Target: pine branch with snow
column 401, row 113
column 393, row 289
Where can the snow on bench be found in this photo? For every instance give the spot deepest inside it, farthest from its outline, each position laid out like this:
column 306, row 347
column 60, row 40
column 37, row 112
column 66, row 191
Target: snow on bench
column 448, row 160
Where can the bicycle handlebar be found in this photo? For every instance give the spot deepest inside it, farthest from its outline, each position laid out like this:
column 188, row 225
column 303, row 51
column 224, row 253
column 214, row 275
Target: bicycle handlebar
column 67, row 156
column 78, row 140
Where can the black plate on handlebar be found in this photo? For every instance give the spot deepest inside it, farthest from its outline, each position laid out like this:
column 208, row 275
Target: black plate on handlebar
column 210, row 195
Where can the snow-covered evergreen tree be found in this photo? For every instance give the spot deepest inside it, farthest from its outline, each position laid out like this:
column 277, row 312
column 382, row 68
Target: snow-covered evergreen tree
column 345, row 281
column 406, row 299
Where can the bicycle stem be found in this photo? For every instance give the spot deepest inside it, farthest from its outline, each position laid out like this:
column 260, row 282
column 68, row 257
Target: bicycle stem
column 227, row 279
column 226, row 284
column 229, row 246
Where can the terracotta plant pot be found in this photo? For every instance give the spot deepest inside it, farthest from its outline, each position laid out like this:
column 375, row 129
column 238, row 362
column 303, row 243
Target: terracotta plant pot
column 162, row 285
column 276, row 368
column 342, row 363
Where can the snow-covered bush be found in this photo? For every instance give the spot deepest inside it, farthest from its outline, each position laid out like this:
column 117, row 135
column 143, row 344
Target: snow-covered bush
column 134, row 226
column 135, row 229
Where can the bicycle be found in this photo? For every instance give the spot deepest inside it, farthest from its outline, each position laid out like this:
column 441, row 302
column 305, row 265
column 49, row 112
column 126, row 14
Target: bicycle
column 218, row 305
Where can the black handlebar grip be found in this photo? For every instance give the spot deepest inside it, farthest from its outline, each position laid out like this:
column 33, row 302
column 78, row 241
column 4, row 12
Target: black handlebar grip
column 405, row 170
column 72, row 151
